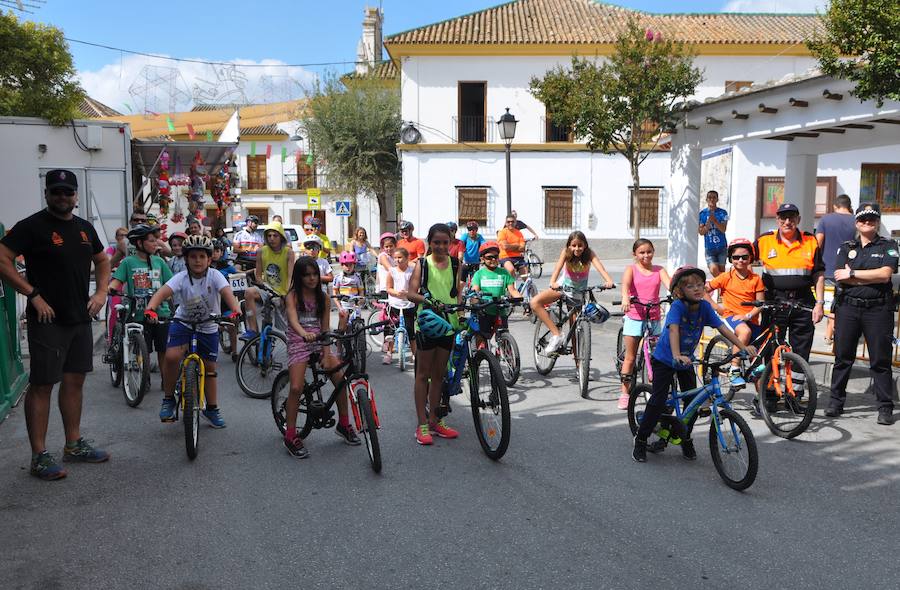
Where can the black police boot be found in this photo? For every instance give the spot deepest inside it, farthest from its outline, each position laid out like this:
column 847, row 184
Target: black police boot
column 834, row 411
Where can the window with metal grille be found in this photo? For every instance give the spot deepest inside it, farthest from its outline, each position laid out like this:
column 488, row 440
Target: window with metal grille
column 256, row 172
column 648, row 208
column 472, row 206
column 558, row 208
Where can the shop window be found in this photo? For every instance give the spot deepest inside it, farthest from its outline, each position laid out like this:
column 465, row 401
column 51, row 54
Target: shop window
column 881, row 183
column 558, row 208
column 256, row 173
column 472, row 204
column 736, row 85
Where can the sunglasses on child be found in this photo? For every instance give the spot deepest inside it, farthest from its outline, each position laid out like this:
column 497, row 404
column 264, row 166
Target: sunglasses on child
column 740, row 257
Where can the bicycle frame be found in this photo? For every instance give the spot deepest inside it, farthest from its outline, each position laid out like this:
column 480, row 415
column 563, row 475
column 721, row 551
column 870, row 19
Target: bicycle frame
column 701, row 395
column 192, row 355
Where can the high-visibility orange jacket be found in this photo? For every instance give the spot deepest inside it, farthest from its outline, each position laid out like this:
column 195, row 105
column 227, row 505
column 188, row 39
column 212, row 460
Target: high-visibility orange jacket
column 789, row 266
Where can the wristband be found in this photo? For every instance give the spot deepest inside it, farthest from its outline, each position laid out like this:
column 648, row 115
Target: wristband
column 820, row 302
column 34, row 293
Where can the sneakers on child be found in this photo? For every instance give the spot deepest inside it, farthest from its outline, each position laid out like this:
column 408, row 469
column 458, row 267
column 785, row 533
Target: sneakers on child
column 45, row 467
column 348, row 434
column 639, row 453
column 423, row 436
column 553, row 344
column 248, row 335
column 82, row 450
column 214, row 417
column 441, row 429
column 387, row 359
column 687, row 450
column 623, row 401
column 167, row 410
column 295, row 448
column 735, row 377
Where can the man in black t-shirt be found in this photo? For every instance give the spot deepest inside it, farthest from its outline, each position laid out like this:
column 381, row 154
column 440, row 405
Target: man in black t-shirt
column 59, row 249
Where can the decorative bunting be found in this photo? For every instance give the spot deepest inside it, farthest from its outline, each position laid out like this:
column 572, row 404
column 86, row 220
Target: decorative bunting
column 209, row 136
column 170, row 124
column 268, row 151
column 252, row 148
column 283, row 154
column 191, row 133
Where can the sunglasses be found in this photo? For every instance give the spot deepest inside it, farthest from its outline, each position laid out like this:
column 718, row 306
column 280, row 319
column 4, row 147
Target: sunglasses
column 740, row 257
column 59, row 192
column 872, row 220
column 785, row 219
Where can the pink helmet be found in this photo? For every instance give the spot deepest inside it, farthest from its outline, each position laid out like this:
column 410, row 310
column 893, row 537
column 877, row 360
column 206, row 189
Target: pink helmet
column 385, row 236
column 347, row 258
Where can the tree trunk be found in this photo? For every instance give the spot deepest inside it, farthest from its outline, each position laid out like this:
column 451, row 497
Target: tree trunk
column 381, row 198
column 635, row 198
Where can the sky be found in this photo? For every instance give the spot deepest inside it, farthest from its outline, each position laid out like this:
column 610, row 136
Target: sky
column 262, row 38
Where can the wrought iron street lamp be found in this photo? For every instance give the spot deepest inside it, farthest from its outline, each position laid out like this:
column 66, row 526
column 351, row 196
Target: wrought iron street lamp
column 507, row 124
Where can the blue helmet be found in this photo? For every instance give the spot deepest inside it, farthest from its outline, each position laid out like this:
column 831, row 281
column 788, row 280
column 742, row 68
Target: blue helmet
column 595, row 313
column 432, row 325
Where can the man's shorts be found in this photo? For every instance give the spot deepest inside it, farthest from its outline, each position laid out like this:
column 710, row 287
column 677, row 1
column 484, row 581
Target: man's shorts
column 57, row 349
column 633, row 327
column 207, row 344
column 517, row 261
column 734, row 321
column 719, row 258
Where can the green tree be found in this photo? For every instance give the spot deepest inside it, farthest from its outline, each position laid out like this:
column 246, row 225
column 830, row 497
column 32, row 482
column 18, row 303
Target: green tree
column 353, row 127
column 620, row 104
column 861, row 43
column 37, row 77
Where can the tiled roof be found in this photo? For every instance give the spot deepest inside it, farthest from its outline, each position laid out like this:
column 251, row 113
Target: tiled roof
column 384, row 70
column 91, row 108
column 589, row 22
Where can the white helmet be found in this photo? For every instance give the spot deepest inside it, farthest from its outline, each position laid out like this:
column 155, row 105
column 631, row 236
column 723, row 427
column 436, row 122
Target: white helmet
column 313, row 239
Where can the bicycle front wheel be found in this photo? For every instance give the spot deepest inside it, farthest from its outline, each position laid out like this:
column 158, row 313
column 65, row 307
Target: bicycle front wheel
column 280, row 391
column 376, row 336
column 190, row 399
column 508, row 355
column 583, row 356
column 115, row 365
column 535, row 264
column 716, row 349
column 367, row 427
column 136, row 369
column 360, row 350
column 733, row 450
column 257, row 378
column 637, row 402
column 400, row 347
column 789, row 412
column 620, row 350
column 490, row 404
column 225, row 343
column 543, row 361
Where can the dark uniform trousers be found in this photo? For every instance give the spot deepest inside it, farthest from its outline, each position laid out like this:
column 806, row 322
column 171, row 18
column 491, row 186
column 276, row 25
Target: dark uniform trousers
column 849, row 322
column 800, row 327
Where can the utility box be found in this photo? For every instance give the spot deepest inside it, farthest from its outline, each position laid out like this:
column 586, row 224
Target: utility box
column 13, row 378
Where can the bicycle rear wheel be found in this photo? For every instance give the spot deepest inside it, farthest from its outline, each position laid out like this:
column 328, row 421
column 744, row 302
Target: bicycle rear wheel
column 637, row 401
column 367, row 427
column 733, row 450
column 360, row 349
column 543, row 362
column 136, row 369
column 256, row 378
column 789, row 414
column 190, row 399
column 376, row 336
column 583, row 356
column 535, row 264
column 508, row 355
column 280, row 391
column 620, row 350
column 115, row 365
column 490, row 404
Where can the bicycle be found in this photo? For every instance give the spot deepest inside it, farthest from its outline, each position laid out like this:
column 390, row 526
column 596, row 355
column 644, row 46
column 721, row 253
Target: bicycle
column 526, row 287
column 533, row 260
column 487, row 390
column 228, row 334
column 569, row 309
column 503, row 346
column 264, row 355
column 730, row 438
column 127, row 355
column 789, row 412
column 313, row 412
column 401, row 334
column 356, row 325
column 641, row 364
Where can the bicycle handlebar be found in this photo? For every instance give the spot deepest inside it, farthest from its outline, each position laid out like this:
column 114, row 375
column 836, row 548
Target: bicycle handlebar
column 584, row 290
column 501, row 301
column 328, row 337
column 782, row 304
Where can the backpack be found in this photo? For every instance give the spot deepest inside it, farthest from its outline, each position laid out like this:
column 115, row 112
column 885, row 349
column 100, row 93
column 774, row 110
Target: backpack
column 454, row 264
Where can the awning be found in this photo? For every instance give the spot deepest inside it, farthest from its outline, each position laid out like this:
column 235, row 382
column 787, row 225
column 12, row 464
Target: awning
column 146, row 153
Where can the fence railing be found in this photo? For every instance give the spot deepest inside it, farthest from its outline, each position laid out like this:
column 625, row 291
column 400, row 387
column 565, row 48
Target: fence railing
column 474, row 128
column 305, row 181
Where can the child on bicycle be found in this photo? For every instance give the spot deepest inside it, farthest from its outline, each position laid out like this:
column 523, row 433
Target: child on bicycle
column 673, row 356
column 574, row 263
column 347, row 283
column 274, row 263
column 736, row 286
column 198, row 292
column 386, row 261
column 398, row 302
column 435, row 281
column 641, row 280
column 143, row 274
column 308, row 316
column 495, row 282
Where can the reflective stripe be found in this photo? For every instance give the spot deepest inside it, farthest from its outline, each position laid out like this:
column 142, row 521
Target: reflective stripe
column 787, row 272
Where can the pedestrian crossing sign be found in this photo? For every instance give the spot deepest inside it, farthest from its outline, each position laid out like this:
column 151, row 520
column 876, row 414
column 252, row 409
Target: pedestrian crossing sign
column 342, row 208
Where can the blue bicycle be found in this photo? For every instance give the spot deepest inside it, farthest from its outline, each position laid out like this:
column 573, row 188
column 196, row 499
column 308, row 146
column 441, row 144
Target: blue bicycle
column 731, row 442
column 265, row 355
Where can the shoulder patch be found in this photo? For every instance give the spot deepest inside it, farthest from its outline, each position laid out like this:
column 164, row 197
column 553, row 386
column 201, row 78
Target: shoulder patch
column 892, row 252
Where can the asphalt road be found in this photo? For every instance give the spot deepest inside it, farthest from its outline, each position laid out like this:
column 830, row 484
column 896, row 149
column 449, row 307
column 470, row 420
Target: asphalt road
column 566, row 506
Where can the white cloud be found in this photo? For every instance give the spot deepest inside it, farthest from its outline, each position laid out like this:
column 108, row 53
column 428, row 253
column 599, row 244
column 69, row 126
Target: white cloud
column 776, row 6
column 175, row 86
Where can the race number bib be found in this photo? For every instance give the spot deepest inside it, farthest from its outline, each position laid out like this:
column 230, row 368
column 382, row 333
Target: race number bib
column 238, row 282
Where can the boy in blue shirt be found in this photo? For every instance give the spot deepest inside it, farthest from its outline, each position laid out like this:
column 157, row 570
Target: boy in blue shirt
column 673, row 355
column 472, row 242
column 713, row 223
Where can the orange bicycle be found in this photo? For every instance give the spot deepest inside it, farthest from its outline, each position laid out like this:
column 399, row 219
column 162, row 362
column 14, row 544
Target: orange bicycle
column 784, row 380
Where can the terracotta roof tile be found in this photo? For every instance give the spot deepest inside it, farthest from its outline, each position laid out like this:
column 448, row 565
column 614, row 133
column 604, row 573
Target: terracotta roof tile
column 587, row 22
column 91, row 108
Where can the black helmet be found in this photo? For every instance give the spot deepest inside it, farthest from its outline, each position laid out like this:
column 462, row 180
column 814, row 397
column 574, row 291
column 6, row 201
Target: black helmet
column 404, row 225
column 252, row 218
column 140, row 232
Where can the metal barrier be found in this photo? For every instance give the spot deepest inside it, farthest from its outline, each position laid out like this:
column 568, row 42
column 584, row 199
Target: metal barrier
column 13, row 378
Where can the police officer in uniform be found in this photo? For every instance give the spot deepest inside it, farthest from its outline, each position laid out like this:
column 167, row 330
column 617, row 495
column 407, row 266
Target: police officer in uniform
column 792, row 268
column 863, row 269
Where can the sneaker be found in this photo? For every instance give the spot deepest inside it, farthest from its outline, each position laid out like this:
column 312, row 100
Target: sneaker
column 553, row 344
column 214, row 417
column 657, row 446
column 348, row 434
column 735, row 377
column 167, row 410
column 45, row 467
column 387, row 359
column 441, row 429
column 623, row 401
column 885, row 416
column 83, row 452
column 423, row 436
column 248, row 335
column 688, row 451
column 295, row 448
column 834, row 411
column 639, row 453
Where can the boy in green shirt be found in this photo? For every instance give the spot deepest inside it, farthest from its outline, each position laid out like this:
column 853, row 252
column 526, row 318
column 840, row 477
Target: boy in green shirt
column 143, row 274
column 494, row 281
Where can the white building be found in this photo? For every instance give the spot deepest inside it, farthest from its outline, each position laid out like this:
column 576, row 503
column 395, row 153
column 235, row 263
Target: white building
column 459, row 76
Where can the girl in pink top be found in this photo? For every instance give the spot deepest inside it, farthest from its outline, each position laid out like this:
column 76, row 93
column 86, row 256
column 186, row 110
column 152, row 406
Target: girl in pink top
column 640, row 280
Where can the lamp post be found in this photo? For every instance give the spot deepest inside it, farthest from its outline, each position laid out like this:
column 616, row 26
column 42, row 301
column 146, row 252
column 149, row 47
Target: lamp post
column 507, row 124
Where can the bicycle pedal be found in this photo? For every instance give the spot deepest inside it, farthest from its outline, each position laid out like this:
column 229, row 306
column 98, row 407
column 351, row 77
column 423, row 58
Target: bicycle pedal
column 704, row 412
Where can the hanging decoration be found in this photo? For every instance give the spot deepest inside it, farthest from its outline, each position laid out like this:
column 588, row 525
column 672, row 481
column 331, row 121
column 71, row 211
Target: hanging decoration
column 221, row 188
column 162, row 182
column 199, row 178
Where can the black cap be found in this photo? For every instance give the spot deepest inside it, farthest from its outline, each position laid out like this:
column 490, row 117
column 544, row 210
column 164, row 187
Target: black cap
column 868, row 209
column 787, row 208
column 64, row 178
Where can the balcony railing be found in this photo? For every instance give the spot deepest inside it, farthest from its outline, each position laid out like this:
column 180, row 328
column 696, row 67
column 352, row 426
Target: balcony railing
column 304, row 181
column 473, row 128
column 553, row 132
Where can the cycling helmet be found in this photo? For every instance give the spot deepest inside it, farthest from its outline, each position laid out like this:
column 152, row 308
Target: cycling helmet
column 218, row 245
column 684, row 271
column 385, row 236
column 151, row 219
column 595, row 313
column 252, row 218
column 740, row 243
column 404, row 225
column 140, row 232
column 312, row 239
column 492, row 245
column 197, row 243
column 432, row 325
column 452, row 225
column 347, row 258
column 179, row 234
column 472, row 224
